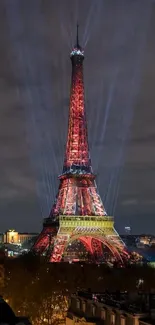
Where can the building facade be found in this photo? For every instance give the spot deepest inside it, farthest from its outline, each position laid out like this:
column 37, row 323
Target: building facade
column 17, row 238
column 98, row 309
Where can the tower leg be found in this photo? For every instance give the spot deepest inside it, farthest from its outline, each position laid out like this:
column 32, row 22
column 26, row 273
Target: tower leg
column 115, row 239
column 44, row 240
column 59, row 246
column 117, row 243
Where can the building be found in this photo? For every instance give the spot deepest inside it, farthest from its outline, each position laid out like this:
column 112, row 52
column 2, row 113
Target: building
column 108, row 309
column 127, row 230
column 14, row 237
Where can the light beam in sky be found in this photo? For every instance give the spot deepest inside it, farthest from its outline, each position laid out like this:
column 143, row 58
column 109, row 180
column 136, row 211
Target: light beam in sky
column 109, row 115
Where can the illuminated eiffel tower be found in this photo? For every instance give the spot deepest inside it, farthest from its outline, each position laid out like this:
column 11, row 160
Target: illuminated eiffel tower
column 78, row 212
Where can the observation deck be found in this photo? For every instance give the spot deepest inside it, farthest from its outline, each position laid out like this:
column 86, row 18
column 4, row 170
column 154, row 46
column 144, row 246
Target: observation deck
column 100, row 222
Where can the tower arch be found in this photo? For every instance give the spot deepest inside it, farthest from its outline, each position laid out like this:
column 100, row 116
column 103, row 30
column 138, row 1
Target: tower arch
column 87, row 241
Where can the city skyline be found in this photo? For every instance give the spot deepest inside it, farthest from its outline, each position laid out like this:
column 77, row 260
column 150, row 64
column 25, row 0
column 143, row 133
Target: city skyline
column 35, row 81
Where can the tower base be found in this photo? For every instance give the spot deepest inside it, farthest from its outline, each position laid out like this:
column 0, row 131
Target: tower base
column 95, row 232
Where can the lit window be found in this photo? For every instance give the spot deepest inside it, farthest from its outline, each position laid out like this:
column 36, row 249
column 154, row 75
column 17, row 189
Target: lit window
column 93, row 310
column 78, row 303
column 103, row 314
column 84, row 306
column 112, row 319
column 122, row 320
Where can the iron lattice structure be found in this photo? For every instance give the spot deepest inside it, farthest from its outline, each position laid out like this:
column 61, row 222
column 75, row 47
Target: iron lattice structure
column 78, row 211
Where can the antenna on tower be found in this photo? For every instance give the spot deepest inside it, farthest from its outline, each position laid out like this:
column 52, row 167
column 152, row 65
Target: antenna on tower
column 77, row 36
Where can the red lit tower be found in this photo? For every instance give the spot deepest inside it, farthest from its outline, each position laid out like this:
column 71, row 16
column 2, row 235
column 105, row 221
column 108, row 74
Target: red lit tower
column 78, row 211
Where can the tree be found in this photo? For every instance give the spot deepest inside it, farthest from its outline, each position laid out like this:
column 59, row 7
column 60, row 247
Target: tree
column 41, row 290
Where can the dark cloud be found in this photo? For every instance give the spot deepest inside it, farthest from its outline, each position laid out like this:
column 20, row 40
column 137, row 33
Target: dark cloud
column 148, row 139
column 36, row 37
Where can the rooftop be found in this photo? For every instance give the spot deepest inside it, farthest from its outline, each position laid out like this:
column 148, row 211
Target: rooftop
column 148, row 320
column 118, row 300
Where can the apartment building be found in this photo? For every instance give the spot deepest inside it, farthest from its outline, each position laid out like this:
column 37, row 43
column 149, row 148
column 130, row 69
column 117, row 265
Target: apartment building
column 107, row 309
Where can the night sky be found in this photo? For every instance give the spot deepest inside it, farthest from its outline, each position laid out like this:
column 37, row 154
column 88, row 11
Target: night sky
column 36, row 38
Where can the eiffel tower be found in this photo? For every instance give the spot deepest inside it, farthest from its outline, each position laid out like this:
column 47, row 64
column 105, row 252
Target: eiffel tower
column 78, row 212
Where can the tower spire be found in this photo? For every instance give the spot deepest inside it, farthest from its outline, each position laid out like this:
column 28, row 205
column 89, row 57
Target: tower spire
column 77, row 36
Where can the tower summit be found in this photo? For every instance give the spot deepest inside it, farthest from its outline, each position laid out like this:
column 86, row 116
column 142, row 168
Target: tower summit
column 77, row 150
column 77, row 50
column 78, row 211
